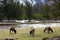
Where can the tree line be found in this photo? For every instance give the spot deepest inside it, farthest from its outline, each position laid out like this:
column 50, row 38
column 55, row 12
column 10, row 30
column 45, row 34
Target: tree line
column 13, row 10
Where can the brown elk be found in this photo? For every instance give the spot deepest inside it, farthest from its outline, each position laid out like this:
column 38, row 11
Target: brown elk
column 13, row 30
column 49, row 29
column 32, row 32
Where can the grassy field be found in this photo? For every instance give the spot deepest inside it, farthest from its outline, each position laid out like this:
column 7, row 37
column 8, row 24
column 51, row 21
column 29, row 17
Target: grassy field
column 23, row 34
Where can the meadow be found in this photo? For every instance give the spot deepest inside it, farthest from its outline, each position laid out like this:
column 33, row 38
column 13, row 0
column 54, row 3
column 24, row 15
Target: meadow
column 23, row 34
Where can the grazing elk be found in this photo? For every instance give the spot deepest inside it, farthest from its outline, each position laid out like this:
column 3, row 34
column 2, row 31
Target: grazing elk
column 49, row 29
column 13, row 30
column 32, row 32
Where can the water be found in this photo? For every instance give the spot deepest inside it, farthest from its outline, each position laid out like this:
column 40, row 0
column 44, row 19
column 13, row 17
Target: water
column 40, row 25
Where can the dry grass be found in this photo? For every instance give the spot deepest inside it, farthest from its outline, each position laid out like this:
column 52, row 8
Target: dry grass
column 23, row 34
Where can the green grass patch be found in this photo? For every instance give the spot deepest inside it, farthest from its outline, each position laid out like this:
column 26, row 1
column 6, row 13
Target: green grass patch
column 23, row 34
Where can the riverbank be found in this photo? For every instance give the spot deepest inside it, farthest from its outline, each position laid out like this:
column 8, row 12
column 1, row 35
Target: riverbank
column 27, row 21
column 37, row 22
